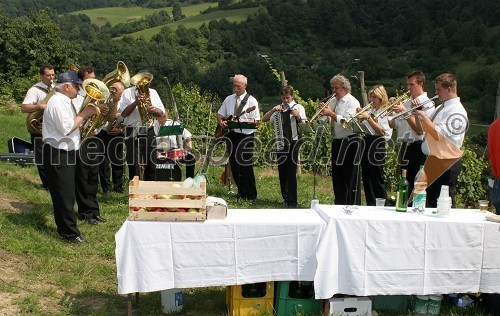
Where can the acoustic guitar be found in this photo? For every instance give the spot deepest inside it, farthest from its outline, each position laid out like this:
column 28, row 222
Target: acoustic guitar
column 223, row 130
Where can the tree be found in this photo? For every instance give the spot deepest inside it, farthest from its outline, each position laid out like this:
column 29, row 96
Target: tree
column 177, row 11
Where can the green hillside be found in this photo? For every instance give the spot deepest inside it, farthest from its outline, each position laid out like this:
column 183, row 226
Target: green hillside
column 195, row 21
column 115, row 15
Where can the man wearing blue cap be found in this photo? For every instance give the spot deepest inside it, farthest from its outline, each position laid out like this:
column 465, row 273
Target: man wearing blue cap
column 60, row 152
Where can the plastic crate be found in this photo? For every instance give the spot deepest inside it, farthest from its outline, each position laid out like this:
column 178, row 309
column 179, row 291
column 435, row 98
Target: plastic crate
column 296, row 298
column 397, row 303
column 250, row 299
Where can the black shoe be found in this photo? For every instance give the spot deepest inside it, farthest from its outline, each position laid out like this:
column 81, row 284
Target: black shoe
column 75, row 240
column 98, row 218
column 293, row 206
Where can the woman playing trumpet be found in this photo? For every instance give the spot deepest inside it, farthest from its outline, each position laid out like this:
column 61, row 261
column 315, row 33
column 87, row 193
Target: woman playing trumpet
column 373, row 159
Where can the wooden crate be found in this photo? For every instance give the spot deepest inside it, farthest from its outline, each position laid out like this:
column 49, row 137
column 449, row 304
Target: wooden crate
column 142, row 193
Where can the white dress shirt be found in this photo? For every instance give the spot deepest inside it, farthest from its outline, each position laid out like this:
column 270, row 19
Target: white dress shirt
column 293, row 106
column 35, row 95
column 128, row 97
column 227, row 109
column 451, row 122
column 344, row 108
column 405, row 132
column 383, row 122
column 58, row 120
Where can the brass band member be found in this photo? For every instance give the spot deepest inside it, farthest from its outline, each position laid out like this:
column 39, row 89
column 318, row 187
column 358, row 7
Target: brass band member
column 445, row 133
column 373, row 161
column 111, row 168
column 346, row 145
column 129, row 102
column 60, row 152
column 87, row 170
column 289, row 114
column 242, row 140
column 410, row 133
column 33, row 101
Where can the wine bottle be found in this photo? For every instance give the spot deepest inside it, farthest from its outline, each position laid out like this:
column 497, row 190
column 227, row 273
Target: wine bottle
column 402, row 195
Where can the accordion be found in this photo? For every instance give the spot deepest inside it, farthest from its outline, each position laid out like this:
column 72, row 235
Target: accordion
column 283, row 129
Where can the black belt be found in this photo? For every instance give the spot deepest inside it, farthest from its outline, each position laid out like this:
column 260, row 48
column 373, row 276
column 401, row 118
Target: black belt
column 417, row 142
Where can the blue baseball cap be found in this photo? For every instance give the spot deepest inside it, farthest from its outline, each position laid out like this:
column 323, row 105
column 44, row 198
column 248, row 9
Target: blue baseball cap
column 69, row 76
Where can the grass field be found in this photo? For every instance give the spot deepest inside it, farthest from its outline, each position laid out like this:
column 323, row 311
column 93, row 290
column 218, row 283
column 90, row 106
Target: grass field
column 196, row 21
column 115, row 15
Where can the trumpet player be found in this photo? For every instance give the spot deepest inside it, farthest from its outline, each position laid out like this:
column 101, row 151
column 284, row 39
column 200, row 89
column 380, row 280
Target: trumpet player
column 33, row 101
column 373, row 160
column 409, row 130
column 346, row 145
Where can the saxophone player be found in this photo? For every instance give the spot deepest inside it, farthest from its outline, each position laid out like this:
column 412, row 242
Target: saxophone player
column 288, row 114
column 137, row 102
column 33, row 101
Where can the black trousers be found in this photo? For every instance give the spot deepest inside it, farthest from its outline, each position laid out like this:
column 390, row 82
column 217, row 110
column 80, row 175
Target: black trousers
column 449, row 177
column 287, row 169
column 372, row 169
column 87, row 177
column 60, row 167
column 241, row 161
column 411, row 157
column 346, row 159
column 37, row 142
column 139, row 152
column 111, row 168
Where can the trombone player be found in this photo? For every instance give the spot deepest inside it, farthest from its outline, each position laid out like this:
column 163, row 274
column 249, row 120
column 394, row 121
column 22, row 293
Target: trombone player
column 410, row 132
column 139, row 106
column 346, row 145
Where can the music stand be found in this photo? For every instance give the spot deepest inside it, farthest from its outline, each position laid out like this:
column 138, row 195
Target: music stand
column 171, row 130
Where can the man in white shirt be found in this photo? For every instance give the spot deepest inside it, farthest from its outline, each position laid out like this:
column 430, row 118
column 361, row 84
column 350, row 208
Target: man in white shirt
column 445, row 133
column 33, row 102
column 60, row 152
column 346, row 145
column 139, row 138
column 410, row 133
column 242, row 139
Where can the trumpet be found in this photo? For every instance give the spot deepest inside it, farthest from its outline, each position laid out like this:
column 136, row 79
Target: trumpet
column 406, row 114
column 328, row 102
column 347, row 122
column 387, row 110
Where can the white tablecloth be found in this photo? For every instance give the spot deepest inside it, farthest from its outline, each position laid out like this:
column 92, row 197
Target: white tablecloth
column 250, row 245
column 378, row 251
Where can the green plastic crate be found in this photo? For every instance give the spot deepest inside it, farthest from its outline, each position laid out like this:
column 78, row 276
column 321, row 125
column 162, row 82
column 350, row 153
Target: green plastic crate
column 296, row 298
column 397, row 303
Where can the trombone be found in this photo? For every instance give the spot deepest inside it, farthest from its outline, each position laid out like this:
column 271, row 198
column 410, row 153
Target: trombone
column 387, row 110
column 328, row 102
column 347, row 122
column 406, row 114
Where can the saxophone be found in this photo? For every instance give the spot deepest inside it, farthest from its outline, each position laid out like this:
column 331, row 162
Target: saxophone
column 96, row 91
column 142, row 81
column 34, row 119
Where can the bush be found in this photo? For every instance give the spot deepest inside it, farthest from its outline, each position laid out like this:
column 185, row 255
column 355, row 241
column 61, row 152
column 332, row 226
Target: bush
column 8, row 105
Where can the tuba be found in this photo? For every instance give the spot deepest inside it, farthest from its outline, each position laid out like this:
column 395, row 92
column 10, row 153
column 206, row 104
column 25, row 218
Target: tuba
column 121, row 74
column 96, row 91
column 34, row 119
column 141, row 81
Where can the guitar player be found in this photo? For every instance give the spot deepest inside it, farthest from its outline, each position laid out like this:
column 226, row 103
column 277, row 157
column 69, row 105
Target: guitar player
column 241, row 140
